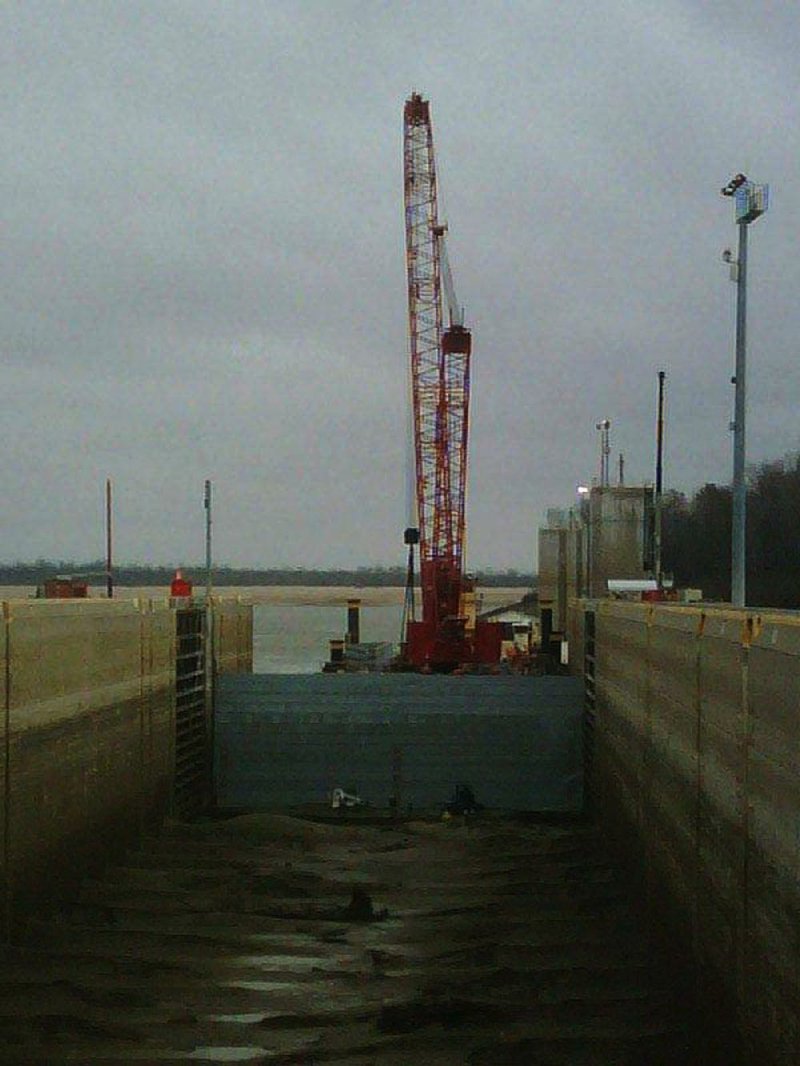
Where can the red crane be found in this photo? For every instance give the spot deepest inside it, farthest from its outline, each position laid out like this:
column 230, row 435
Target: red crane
column 448, row 634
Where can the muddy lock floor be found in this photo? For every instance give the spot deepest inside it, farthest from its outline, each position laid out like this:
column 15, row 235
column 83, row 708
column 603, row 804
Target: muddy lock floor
column 274, row 939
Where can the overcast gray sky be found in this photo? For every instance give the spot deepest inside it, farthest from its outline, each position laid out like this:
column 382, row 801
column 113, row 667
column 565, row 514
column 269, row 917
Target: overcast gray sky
column 203, row 264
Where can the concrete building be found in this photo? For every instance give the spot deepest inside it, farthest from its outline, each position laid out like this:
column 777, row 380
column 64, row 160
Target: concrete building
column 606, row 537
column 563, row 568
column 619, row 535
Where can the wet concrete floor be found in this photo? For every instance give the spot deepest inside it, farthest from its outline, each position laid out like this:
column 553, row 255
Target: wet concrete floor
column 276, row 939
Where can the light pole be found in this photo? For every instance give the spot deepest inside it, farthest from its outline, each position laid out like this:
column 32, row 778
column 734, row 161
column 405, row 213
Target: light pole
column 659, row 489
column 109, row 539
column 604, row 428
column 207, row 505
column 750, row 200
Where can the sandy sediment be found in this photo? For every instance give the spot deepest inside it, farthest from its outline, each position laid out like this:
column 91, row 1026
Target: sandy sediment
column 277, row 939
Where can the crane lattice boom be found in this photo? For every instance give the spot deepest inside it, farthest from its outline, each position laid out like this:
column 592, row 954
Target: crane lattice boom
column 440, row 363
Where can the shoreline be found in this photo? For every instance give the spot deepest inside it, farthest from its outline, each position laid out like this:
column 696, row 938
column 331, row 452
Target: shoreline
column 284, row 595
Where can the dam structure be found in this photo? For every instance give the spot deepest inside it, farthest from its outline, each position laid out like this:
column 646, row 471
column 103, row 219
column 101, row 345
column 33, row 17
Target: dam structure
column 595, row 867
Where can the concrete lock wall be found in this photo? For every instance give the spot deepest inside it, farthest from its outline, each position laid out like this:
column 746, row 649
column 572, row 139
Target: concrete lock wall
column 88, row 732
column 576, row 636
column 88, row 691
column 552, row 573
column 696, row 771
column 233, row 636
column 562, row 567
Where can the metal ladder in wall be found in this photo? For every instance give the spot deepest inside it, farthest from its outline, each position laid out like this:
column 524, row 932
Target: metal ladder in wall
column 588, row 707
column 192, row 791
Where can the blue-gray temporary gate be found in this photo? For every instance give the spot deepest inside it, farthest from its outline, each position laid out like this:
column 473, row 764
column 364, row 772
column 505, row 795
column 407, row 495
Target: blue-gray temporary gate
column 285, row 740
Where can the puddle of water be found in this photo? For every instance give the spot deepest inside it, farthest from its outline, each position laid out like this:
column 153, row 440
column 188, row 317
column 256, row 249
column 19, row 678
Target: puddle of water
column 292, row 963
column 284, row 940
column 227, row 1054
column 240, row 1019
column 261, row 986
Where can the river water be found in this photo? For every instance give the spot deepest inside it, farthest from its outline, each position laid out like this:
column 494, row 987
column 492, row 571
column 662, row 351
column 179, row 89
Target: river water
column 292, row 626
column 293, row 639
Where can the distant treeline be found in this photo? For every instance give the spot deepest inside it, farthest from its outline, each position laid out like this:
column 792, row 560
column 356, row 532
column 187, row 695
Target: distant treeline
column 697, row 537
column 134, row 575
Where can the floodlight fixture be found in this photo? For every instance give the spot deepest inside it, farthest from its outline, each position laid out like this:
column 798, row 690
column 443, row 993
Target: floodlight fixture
column 736, row 182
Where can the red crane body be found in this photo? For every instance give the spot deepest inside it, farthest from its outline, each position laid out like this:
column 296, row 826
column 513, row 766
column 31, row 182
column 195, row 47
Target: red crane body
column 448, row 634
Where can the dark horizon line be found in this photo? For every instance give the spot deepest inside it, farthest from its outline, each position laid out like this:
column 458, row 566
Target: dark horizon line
column 136, row 573
column 98, row 566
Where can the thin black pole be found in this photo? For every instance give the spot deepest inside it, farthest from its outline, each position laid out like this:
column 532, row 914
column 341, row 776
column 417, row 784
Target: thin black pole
column 411, row 538
column 109, row 536
column 659, row 476
column 207, row 502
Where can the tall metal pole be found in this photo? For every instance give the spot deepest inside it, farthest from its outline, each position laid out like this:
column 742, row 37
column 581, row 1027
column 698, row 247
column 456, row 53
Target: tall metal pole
column 739, row 516
column 207, row 504
column 751, row 201
column 604, row 428
column 659, row 480
column 109, row 560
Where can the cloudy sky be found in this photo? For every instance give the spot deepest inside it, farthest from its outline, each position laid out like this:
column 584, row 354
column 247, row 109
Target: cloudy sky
column 203, row 266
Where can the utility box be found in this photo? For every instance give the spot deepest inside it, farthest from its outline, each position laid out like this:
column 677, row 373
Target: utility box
column 65, row 588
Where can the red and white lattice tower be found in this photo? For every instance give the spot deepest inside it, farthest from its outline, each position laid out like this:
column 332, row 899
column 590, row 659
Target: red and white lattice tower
column 440, row 366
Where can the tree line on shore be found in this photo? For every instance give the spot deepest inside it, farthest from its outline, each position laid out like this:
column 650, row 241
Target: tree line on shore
column 696, row 536
column 133, row 575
